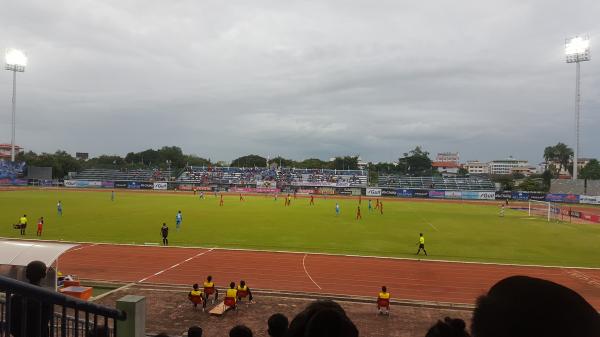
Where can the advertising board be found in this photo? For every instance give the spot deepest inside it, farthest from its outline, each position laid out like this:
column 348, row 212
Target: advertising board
column 160, row 186
column 522, row 196
column 133, row 185
column 108, row 184
column 587, row 199
column 146, row 185
column 437, row 194
column 453, row 194
column 421, row 194
column 388, row 192
column 562, row 197
column 120, row 184
column 373, row 192
column 539, row 196
column 503, row 195
column 470, row 195
column 266, row 184
column 404, row 193
column 486, row 195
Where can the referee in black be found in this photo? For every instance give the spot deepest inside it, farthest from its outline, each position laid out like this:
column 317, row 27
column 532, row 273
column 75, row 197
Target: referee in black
column 164, row 231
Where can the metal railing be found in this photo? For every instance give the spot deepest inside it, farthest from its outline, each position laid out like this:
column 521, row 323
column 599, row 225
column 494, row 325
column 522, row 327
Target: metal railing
column 29, row 310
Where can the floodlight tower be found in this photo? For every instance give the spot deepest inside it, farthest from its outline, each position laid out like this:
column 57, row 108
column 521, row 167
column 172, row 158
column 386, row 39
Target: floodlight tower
column 577, row 49
column 15, row 62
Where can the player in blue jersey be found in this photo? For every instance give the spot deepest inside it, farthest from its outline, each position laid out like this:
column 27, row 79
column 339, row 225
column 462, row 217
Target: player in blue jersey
column 178, row 220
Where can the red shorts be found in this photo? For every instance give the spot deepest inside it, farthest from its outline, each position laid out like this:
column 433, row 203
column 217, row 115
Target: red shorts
column 39, row 227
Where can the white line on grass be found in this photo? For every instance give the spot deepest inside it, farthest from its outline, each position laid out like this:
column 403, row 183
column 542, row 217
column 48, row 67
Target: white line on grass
column 432, row 226
column 306, row 271
column 175, row 265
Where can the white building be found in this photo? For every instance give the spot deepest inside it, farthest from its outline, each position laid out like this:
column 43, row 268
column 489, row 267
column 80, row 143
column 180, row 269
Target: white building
column 477, row 167
column 505, row 166
column 452, row 157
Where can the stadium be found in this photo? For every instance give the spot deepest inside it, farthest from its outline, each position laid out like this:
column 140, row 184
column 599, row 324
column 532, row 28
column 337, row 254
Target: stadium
column 159, row 242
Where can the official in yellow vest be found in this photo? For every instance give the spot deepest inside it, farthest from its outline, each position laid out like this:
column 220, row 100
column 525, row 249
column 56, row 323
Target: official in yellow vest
column 210, row 289
column 197, row 296
column 23, row 223
column 382, row 298
column 231, row 292
column 421, row 244
column 242, row 289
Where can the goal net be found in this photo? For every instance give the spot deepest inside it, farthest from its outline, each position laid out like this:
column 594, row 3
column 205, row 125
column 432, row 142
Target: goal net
column 545, row 209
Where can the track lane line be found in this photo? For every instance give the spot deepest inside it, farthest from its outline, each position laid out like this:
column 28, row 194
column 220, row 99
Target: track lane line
column 175, row 265
column 306, row 271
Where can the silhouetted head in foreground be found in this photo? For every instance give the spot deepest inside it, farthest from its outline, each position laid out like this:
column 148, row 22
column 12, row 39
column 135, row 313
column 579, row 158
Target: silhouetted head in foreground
column 450, row 327
column 240, row 331
column 521, row 306
column 278, row 325
column 35, row 272
column 322, row 318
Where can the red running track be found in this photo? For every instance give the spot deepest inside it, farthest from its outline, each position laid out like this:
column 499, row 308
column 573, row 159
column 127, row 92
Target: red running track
column 315, row 273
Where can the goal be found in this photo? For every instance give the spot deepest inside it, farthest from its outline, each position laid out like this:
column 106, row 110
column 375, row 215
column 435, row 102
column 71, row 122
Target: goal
column 548, row 210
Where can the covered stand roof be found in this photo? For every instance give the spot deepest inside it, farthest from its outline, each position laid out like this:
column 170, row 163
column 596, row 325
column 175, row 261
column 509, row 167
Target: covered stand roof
column 20, row 253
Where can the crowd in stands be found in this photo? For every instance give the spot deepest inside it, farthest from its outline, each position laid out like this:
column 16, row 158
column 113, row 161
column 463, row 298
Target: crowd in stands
column 284, row 176
column 517, row 306
column 11, row 170
column 123, row 175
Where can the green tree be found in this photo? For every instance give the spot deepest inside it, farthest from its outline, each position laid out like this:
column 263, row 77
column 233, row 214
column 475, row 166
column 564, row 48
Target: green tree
column 283, row 162
column 462, row 172
column 314, row 163
column 193, row 160
column 416, row 163
column 506, row 181
column 532, row 184
column 345, row 163
column 249, row 161
column 591, row 170
column 559, row 153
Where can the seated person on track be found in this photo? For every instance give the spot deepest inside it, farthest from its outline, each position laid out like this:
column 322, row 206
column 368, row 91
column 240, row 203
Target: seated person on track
column 231, row 295
column 196, row 296
column 383, row 301
column 243, row 290
column 210, row 289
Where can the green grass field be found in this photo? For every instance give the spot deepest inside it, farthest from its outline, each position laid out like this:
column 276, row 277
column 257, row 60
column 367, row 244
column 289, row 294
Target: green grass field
column 465, row 232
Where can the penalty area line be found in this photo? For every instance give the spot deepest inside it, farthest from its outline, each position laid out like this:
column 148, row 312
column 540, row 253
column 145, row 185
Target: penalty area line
column 175, row 265
column 306, row 271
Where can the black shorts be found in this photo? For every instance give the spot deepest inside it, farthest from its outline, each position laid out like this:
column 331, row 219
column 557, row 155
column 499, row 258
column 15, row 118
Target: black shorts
column 421, row 245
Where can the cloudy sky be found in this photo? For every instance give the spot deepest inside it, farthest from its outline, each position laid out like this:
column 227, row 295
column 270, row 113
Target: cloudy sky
column 300, row 78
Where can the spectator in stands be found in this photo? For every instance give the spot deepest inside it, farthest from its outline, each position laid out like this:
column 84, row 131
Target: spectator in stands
column 240, row 331
column 525, row 306
column 278, row 325
column 322, row 318
column 195, row 331
column 450, row 327
column 38, row 314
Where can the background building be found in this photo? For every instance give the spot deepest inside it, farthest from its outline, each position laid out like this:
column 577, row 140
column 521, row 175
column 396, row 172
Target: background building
column 505, row 166
column 477, row 167
column 5, row 151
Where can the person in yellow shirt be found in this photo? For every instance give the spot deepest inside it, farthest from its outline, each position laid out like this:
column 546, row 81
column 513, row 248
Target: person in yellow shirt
column 383, row 301
column 421, row 244
column 197, row 296
column 23, row 223
column 210, row 289
column 231, row 295
column 243, row 290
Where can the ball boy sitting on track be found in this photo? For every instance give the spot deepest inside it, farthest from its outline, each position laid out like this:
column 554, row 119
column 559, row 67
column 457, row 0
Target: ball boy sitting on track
column 243, row 290
column 210, row 289
column 196, row 296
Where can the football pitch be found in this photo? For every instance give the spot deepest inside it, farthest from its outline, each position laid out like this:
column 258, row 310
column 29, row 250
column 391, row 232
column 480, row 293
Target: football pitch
column 453, row 231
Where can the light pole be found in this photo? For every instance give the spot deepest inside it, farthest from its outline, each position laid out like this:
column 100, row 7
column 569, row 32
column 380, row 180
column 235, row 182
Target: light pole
column 577, row 49
column 15, row 62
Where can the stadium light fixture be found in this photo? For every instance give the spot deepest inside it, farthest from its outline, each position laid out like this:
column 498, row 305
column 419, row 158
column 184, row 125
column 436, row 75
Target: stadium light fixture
column 577, row 50
column 16, row 61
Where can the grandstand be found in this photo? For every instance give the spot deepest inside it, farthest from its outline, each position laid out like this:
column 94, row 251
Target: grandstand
column 438, row 183
column 96, row 174
column 283, row 177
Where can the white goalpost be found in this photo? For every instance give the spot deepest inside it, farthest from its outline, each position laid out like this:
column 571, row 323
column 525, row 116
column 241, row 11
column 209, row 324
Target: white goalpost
column 544, row 209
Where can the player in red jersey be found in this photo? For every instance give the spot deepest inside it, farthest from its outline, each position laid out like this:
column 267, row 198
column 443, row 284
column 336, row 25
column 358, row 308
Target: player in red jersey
column 312, row 200
column 358, row 216
column 221, row 202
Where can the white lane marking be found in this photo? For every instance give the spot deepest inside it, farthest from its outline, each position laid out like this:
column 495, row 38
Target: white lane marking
column 306, row 271
column 432, row 226
column 112, row 291
column 175, row 265
column 80, row 248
